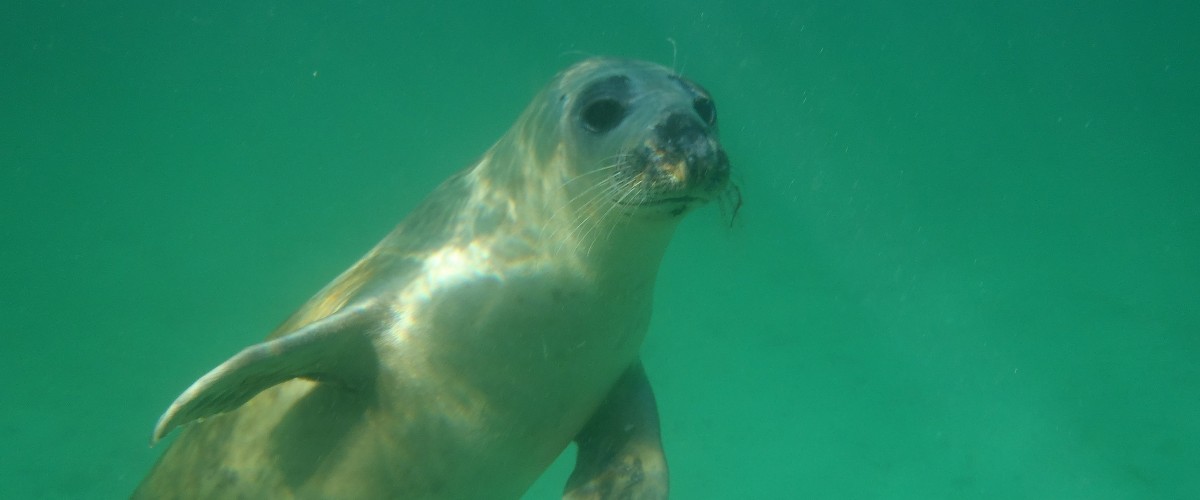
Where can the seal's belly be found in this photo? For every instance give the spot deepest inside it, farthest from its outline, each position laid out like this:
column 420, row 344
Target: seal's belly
column 516, row 365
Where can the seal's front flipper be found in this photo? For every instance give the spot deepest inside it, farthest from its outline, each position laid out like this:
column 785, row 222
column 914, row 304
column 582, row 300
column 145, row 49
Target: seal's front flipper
column 620, row 451
column 337, row 348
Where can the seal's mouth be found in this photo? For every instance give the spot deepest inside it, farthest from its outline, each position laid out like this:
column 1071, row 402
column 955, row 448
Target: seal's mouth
column 673, row 200
column 670, row 201
column 679, row 166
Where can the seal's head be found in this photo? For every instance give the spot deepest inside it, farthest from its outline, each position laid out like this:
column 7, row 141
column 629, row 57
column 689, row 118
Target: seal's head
column 623, row 139
column 650, row 133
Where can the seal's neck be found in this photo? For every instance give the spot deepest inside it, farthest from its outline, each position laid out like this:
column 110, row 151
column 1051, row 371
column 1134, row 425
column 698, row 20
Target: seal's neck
column 632, row 251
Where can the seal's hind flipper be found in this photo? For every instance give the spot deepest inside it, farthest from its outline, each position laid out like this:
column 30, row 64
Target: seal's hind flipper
column 620, row 451
column 336, row 349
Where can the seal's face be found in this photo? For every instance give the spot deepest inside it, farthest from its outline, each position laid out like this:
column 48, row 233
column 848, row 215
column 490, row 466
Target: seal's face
column 651, row 134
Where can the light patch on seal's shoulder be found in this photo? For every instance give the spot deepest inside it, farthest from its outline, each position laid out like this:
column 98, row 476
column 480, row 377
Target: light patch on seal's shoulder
column 452, row 266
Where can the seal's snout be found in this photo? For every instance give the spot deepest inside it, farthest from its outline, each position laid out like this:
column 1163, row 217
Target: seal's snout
column 690, row 152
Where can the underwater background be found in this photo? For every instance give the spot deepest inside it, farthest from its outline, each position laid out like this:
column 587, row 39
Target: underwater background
column 967, row 264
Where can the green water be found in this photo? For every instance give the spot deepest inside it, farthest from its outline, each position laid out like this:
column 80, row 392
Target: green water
column 966, row 266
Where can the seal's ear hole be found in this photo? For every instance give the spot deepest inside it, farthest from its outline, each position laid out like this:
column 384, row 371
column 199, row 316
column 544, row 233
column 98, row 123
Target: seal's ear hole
column 706, row 109
column 602, row 115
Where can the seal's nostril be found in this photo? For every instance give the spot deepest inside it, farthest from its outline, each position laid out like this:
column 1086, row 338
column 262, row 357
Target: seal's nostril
column 706, row 109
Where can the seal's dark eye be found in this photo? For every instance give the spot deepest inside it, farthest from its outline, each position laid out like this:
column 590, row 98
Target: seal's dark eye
column 706, row 109
column 602, row 115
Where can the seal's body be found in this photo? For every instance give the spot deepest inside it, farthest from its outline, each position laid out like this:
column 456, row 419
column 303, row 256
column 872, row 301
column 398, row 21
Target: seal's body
column 500, row 321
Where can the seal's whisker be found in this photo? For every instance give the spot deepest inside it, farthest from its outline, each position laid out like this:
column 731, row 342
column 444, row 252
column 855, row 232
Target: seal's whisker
column 589, row 215
column 587, row 191
column 730, row 201
column 624, row 197
column 611, row 161
column 582, row 199
column 580, row 212
column 597, row 171
column 595, row 194
column 623, row 193
column 568, row 207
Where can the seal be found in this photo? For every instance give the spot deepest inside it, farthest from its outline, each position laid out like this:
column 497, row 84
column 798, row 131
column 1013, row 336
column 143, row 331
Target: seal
column 497, row 323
